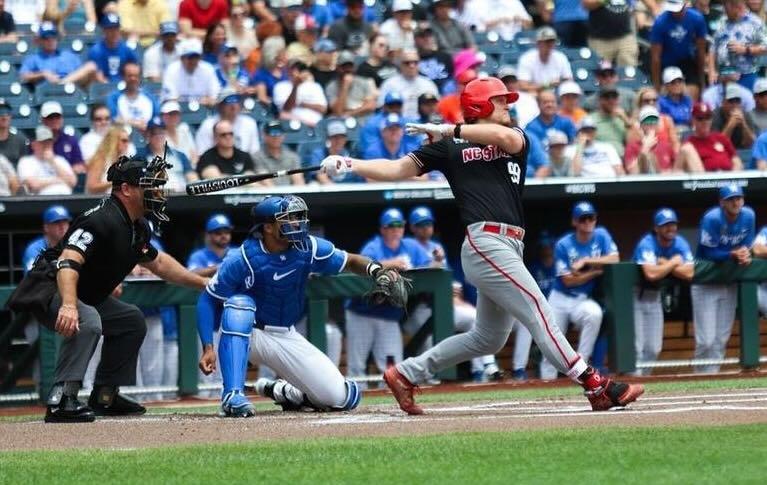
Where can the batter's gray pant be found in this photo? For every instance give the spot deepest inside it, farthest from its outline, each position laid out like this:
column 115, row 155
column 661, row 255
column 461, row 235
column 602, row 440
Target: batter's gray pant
column 123, row 328
column 648, row 327
column 365, row 334
column 713, row 309
column 506, row 291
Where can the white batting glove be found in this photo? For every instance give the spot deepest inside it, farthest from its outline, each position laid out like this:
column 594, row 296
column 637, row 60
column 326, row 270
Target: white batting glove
column 433, row 131
column 336, row 166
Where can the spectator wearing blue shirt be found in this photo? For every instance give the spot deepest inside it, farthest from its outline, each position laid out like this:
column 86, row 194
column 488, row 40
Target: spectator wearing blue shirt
column 133, row 105
column 218, row 237
column 56, row 219
column 538, row 164
column 371, row 131
column 51, row 64
column 392, row 145
column 108, row 56
column 548, row 119
column 675, row 102
column 727, row 233
column 335, row 144
column 660, row 254
column 229, row 71
column 320, row 13
column 181, row 171
column 376, row 328
column 579, row 257
column 759, row 153
column 678, row 38
column 569, row 19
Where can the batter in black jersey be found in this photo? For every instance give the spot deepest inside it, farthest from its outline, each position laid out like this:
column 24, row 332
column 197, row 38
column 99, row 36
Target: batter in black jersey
column 101, row 247
column 485, row 163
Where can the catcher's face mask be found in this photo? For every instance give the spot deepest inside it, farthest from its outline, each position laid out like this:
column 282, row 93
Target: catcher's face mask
column 150, row 176
column 293, row 221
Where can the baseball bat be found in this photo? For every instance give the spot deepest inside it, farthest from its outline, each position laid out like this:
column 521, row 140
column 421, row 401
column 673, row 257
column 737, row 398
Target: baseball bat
column 223, row 183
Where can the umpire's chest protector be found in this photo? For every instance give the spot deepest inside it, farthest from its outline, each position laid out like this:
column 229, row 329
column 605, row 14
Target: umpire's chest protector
column 278, row 282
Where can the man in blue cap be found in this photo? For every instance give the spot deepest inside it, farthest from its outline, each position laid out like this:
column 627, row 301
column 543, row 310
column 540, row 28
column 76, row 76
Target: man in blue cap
column 181, row 171
column 162, row 53
column 108, row 56
column 218, row 236
column 371, row 131
column 50, row 64
column 56, row 220
column 392, row 144
column 229, row 108
column 579, row 257
column 726, row 233
column 276, row 156
column 376, row 328
column 660, row 254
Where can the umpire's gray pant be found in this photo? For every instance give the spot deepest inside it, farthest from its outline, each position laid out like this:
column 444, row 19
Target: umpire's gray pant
column 123, row 327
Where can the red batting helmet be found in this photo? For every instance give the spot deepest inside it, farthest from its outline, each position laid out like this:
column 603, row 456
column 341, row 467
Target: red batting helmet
column 475, row 98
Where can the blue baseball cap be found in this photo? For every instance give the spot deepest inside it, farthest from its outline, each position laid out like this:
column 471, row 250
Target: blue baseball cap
column 664, row 216
column 110, row 20
column 274, row 128
column 218, row 221
column 730, row 191
column 392, row 217
column 393, row 98
column 47, row 30
column 56, row 213
column 325, row 45
column 583, row 208
column 421, row 215
column 392, row 119
column 167, row 28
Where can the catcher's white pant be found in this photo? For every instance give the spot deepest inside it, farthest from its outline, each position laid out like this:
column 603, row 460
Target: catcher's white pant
column 506, row 291
column 300, row 363
column 585, row 314
column 762, row 298
column 648, row 327
column 365, row 334
column 151, row 357
column 464, row 316
column 713, row 311
column 333, row 337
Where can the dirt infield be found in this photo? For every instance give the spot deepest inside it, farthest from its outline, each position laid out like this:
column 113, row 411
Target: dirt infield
column 659, row 409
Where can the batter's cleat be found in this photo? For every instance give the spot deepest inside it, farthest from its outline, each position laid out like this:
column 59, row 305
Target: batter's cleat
column 403, row 390
column 613, row 394
column 69, row 410
column 236, row 405
column 107, row 401
column 519, row 375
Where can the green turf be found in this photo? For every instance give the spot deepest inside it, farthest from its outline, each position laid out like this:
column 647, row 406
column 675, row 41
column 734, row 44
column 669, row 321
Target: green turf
column 676, row 455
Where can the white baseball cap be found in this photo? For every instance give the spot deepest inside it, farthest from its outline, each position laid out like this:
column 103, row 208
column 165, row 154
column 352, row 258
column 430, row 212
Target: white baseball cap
column 556, row 137
column 672, row 73
column 43, row 133
column 570, row 87
column 732, row 91
column 401, row 5
column 674, row 6
column 50, row 108
column 760, row 85
column 170, row 106
column 648, row 112
column 191, row 47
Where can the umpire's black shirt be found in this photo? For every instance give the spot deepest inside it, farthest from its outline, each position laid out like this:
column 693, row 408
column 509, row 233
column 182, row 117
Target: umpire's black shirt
column 486, row 181
column 111, row 244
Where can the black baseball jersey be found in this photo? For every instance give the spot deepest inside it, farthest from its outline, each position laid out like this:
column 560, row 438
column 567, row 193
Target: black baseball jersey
column 486, row 181
column 111, row 244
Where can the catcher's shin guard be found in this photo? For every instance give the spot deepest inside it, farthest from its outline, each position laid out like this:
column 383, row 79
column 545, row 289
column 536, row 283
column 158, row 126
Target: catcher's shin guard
column 236, row 325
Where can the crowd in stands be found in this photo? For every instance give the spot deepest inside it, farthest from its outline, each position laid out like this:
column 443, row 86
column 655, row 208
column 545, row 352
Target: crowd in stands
column 608, row 87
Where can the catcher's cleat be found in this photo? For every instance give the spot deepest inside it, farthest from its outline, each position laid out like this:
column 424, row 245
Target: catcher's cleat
column 69, row 410
column 107, row 401
column 236, row 405
column 403, row 390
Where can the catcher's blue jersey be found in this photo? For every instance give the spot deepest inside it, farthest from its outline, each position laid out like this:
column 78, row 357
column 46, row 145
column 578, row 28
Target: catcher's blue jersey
column 275, row 281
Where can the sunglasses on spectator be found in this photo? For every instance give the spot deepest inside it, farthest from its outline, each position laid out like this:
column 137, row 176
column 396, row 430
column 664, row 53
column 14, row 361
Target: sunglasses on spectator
column 226, row 133
column 587, row 218
column 101, row 118
column 649, row 100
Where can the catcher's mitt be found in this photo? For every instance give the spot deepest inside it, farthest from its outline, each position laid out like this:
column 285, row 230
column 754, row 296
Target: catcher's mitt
column 389, row 288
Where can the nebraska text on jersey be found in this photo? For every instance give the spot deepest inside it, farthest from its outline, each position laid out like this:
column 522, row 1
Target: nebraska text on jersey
column 487, row 153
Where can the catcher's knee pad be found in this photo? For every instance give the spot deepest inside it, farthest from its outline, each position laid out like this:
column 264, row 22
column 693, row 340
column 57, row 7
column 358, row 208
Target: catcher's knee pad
column 238, row 316
column 353, row 396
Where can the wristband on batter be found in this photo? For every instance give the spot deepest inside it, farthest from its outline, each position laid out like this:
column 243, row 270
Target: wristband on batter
column 373, row 268
column 68, row 264
column 457, row 130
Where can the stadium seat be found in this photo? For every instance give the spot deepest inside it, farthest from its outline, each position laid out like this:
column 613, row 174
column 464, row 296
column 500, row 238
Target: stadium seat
column 525, row 38
column 352, row 129
column 257, row 110
column 64, row 93
column 25, row 118
column 15, row 93
column 97, row 92
column 193, row 113
column 297, row 133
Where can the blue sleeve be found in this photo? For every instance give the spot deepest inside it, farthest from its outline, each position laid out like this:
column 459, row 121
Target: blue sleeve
column 750, row 227
column 759, row 152
column 29, row 64
column 316, row 156
column 208, row 312
column 93, row 54
column 370, row 250
column 195, row 261
column 536, row 157
column 684, row 250
column 644, row 253
column 608, row 245
column 422, row 257
column 701, row 29
column 709, row 240
column 372, row 152
column 230, row 277
column 30, row 254
column 326, row 259
column 656, row 33
column 561, row 260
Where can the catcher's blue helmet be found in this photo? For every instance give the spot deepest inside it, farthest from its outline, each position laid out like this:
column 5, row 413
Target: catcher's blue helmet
column 292, row 214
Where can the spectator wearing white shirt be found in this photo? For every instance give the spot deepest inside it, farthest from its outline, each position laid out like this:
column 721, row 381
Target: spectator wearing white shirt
column 162, row 53
column 177, row 133
column 300, row 97
column 591, row 158
column 399, row 29
column 9, row 181
column 245, row 128
column 409, row 84
column 26, row 12
column 43, row 172
column 190, row 78
column 543, row 66
column 132, row 106
column 504, row 17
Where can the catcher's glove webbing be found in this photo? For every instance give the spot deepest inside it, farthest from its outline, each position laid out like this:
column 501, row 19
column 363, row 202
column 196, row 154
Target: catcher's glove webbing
column 389, row 288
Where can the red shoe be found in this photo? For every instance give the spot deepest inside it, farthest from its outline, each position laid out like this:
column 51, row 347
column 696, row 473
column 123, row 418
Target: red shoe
column 613, row 394
column 403, row 390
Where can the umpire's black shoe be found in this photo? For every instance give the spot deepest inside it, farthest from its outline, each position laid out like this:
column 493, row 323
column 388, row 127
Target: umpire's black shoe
column 69, row 410
column 107, row 401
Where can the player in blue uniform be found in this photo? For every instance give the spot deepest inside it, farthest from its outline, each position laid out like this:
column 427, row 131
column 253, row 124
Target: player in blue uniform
column 262, row 285
column 726, row 233
column 579, row 257
column 660, row 254
column 760, row 251
column 218, row 236
column 56, row 220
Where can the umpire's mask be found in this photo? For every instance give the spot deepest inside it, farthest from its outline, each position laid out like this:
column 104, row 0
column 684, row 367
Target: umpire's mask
column 148, row 175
